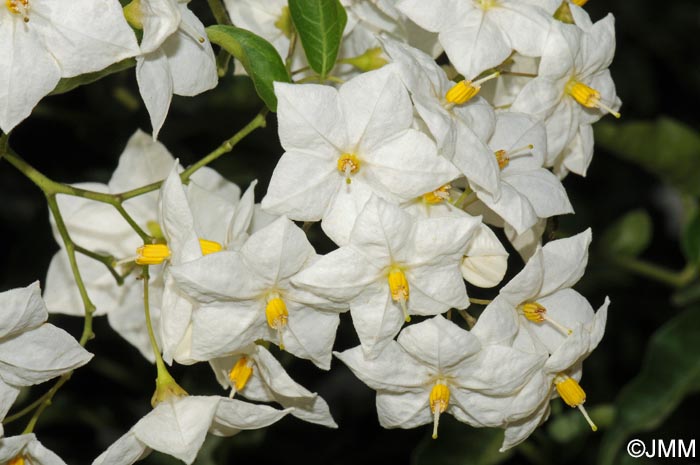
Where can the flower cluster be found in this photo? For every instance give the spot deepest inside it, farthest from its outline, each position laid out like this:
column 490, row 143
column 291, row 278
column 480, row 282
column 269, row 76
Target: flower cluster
column 412, row 168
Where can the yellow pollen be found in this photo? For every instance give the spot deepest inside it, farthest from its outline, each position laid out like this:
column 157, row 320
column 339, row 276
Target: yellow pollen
column 502, row 158
column 465, row 90
column 537, row 313
column 348, row 164
column 277, row 315
column 398, row 286
column 438, row 195
column 152, row 254
column 19, row 7
column 439, row 399
column 209, row 246
column 579, row 2
column 19, row 460
column 587, row 96
column 573, row 395
column 239, row 374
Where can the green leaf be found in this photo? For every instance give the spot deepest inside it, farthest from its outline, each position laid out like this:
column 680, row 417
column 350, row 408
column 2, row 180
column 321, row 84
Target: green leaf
column 629, row 236
column 320, row 24
column 68, row 84
column 259, row 58
column 671, row 371
column 665, row 147
column 459, row 444
column 691, row 239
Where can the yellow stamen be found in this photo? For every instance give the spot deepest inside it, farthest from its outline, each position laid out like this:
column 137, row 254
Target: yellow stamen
column 587, row 96
column 152, row 254
column 504, row 157
column 239, row 375
column 209, row 246
column 573, row 395
column 19, row 460
column 19, row 7
column 579, row 2
column 535, row 312
column 438, row 195
column 277, row 315
column 398, row 285
column 439, row 399
column 348, row 164
column 465, row 90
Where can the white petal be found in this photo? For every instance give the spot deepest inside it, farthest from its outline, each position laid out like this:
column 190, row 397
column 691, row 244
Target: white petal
column 21, row 309
column 346, row 203
column 86, row 35
column 485, row 261
column 40, row 354
column 232, row 416
column 497, row 324
column 404, row 410
column 569, row 309
column 377, row 320
column 394, row 370
column 27, row 74
column 309, row 334
column 160, row 19
column 517, row 432
column 177, row 222
column 8, row 394
column 124, row 451
column 156, row 86
column 438, row 343
column 143, row 161
column 565, row 261
column 223, row 329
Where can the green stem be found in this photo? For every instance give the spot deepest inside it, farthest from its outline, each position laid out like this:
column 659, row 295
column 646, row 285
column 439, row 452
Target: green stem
column 471, row 321
column 106, row 260
column 219, row 12
column 656, row 272
column 480, row 301
column 149, row 325
column 290, row 52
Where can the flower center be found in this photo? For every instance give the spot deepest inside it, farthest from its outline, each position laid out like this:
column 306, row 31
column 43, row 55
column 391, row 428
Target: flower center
column 209, row 246
column 503, row 157
column 152, row 254
column 439, row 399
column 486, row 4
column 587, row 96
column 465, row 90
column 19, row 7
column 579, row 2
column 535, row 312
column 398, row 285
column 348, row 164
column 277, row 315
column 239, row 375
column 19, row 460
column 438, row 195
column 573, row 395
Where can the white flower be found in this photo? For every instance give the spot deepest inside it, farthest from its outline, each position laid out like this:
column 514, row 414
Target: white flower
column 343, row 145
column 527, row 191
column 573, row 90
column 256, row 375
column 26, row 449
column 42, row 41
column 176, row 57
column 461, row 130
column 247, row 295
column 436, row 367
column 394, row 266
column 481, row 34
column 31, row 350
column 178, row 426
column 485, row 261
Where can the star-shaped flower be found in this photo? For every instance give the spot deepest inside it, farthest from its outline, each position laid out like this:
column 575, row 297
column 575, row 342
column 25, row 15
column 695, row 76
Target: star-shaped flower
column 256, row 375
column 573, row 89
column 42, row 41
column 31, row 350
column 343, row 145
column 26, row 449
column 394, row 266
column 178, row 426
column 248, row 295
column 481, row 34
column 436, row 367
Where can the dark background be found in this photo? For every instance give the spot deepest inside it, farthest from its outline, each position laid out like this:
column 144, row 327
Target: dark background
column 79, row 136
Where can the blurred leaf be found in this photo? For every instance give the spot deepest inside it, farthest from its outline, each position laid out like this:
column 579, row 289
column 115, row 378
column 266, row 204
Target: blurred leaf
column 629, row 236
column 665, row 147
column 320, row 24
column 671, row 371
column 68, row 84
column 691, row 239
column 459, row 444
column 259, row 58
column 570, row 425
